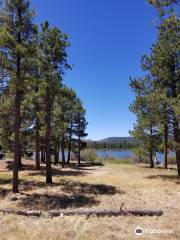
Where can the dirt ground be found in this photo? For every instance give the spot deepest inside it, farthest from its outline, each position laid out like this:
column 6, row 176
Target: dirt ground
column 95, row 187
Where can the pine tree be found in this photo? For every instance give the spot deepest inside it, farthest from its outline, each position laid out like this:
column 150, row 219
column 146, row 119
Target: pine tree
column 16, row 48
column 166, row 70
column 80, row 125
column 53, row 61
column 146, row 129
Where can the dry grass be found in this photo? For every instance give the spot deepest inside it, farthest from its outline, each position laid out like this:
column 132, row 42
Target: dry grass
column 97, row 187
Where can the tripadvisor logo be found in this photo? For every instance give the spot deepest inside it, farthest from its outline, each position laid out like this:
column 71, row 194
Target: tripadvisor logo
column 139, row 231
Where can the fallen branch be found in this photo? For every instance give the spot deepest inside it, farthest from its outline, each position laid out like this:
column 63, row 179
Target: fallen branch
column 21, row 212
column 104, row 213
column 87, row 213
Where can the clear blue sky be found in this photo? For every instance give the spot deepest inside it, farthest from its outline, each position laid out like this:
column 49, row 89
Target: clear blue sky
column 107, row 40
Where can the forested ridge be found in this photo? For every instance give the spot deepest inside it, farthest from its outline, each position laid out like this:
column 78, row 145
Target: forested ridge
column 113, row 143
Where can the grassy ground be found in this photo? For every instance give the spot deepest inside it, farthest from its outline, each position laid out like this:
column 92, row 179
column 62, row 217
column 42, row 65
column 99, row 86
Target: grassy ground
column 96, row 187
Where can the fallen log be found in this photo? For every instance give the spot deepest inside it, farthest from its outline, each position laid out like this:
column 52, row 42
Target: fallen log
column 21, row 212
column 103, row 213
column 87, row 213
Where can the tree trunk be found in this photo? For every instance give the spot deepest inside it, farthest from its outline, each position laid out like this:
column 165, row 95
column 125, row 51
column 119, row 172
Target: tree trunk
column 17, row 142
column 37, row 127
column 151, row 150
column 37, row 143
column 48, row 137
column 79, row 151
column 62, row 150
column 165, row 145
column 82, row 212
column 177, row 143
column 105, row 213
column 56, row 154
column 69, row 146
column 42, row 156
column 178, row 160
column 20, row 157
column 151, row 158
column 18, row 96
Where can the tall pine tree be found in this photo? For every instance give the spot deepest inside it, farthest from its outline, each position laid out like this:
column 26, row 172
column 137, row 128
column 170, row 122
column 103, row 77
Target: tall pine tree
column 16, row 49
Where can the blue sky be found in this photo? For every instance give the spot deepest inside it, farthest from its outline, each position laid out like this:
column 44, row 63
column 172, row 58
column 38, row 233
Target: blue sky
column 108, row 38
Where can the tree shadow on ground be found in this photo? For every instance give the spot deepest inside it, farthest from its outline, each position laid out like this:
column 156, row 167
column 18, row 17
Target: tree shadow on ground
column 63, row 194
column 87, row 164
column 175, row 179
column 46, row 201
column 157, row 167
column 5, row 181
column 87, row 188
column 30, row 166
column 24, row 167
column 81, row 168
column 4, row 192
column 71, row 187
column 59, row 172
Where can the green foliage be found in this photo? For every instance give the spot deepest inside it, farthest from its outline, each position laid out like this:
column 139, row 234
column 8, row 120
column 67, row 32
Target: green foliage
column 89, row 155
column 157, row 93
column 113, row 143
column 140, row 153
column 37, row 112
column 165, row 7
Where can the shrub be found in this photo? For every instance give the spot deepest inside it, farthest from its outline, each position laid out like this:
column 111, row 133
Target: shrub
column 89, row 155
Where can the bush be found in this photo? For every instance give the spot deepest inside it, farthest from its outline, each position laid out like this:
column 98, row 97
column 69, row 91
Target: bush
column 89, row 155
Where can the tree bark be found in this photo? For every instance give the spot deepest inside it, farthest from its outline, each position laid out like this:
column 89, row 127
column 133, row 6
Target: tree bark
column 70, row 142
column 103, row 213
column 37, row 137
column 43, row 155
column 37, row 143
column 48, row 137
column 177, row 143
column 151, row 158
column 20, row 157
column 88, row 213
column 151, row 150
column 21, row 212
column 56, row 154
column 62, row 150
column 17, row 142
column 79, row 151
column 165, row 145
column 18, row 96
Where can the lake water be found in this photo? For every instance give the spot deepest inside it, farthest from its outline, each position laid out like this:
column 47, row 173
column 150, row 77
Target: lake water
column 119, row 154
column 114, row 153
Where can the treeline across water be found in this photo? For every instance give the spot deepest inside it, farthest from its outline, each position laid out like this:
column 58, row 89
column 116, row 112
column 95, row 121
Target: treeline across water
column 125, row 144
